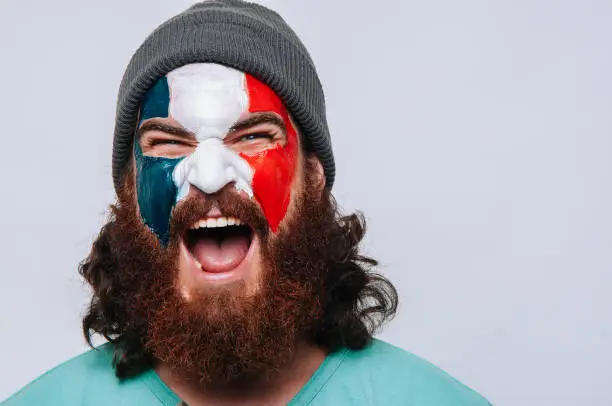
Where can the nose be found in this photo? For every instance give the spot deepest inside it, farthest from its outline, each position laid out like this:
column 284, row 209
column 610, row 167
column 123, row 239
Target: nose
column 210, row 168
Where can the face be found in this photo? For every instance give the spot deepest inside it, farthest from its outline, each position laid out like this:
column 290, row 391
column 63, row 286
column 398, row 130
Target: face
column 233, row 267
column 207, row 131
column 222, row 334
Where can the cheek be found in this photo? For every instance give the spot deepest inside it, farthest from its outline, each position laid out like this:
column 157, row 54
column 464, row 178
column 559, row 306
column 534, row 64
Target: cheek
column 273, row 175
column 156, row 193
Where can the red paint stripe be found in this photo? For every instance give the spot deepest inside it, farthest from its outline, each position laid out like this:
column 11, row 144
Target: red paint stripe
column 274, row 168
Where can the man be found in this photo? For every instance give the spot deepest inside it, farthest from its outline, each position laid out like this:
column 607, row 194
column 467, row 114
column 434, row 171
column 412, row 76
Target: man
column 225, row 274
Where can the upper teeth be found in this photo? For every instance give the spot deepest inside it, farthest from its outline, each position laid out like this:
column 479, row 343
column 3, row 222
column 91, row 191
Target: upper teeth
column 215, row 222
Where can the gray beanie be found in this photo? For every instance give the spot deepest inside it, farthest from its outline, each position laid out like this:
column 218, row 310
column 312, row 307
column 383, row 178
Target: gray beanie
column 238, row 34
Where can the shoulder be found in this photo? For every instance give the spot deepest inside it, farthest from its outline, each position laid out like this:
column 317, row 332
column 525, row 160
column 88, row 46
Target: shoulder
column 403, row 378
column 67, row 382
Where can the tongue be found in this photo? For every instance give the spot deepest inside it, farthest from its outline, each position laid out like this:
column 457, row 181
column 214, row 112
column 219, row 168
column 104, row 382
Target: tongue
column 215, row 256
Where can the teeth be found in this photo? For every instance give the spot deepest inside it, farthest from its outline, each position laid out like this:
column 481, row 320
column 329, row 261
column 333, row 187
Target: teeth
column 216, row 222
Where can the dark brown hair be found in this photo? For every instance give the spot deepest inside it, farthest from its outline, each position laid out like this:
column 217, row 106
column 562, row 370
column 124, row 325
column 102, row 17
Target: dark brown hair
column 355, row 300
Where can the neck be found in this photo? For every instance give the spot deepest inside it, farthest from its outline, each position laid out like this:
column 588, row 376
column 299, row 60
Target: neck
column 279, row 391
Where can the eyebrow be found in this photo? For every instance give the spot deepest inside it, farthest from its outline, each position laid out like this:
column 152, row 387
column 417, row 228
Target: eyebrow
column 256, row 119
column 169, row 129
column 259, row 118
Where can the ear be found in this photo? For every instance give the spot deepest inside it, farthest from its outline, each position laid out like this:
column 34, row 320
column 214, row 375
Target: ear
column 314, row 167
column 127, row 183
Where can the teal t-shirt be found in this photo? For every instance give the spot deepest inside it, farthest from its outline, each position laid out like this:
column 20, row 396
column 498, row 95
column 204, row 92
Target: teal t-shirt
column 378, row 375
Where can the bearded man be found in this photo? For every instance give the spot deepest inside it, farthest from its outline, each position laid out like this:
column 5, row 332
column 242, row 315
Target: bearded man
column 225, row 274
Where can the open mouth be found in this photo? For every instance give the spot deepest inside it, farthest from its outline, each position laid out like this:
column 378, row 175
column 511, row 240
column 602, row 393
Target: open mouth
column 219, row 244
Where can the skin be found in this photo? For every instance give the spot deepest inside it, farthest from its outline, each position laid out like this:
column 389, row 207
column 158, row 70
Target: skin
column 165, row 137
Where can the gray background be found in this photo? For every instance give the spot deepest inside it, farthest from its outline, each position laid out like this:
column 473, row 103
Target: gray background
column 475, row 135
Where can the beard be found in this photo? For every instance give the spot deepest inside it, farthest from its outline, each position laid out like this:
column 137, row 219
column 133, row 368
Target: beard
column 225, row 337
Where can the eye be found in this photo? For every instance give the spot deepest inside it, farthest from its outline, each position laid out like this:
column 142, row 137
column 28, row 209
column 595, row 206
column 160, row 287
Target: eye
column 255, row 140
column 161, row 141
column 255, row 136
column 162, row 145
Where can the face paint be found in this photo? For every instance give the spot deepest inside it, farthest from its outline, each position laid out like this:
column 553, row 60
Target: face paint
column 156, row 191
column 207, row 100
column 274, row 167
column 154, row 185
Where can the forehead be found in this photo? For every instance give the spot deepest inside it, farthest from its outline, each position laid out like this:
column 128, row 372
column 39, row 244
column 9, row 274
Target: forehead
column 208, row 98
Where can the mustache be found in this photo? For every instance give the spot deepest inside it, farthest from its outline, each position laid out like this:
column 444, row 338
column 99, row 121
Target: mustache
column 229, row 202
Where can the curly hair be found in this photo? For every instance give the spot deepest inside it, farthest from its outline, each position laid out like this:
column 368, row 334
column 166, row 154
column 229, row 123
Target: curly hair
column 355, row 302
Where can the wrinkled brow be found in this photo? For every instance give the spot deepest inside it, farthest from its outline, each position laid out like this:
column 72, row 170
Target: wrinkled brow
column 166, row 128
column 259, row 118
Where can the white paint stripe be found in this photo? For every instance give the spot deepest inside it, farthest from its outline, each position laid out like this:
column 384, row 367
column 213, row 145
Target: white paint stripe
column 207, row 99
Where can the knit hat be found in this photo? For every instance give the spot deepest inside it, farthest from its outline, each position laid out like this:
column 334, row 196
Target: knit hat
column 245, row 36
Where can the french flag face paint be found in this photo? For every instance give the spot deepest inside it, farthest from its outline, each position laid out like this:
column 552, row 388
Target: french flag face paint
column 208, row 100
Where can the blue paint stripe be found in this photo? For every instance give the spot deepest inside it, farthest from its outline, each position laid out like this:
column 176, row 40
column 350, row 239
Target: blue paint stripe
column 155, row 187
column 156, row 191
column 156, row 102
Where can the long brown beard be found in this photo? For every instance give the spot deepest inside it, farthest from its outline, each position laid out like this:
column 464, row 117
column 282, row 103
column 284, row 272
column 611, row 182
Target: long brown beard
column 225, row 338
